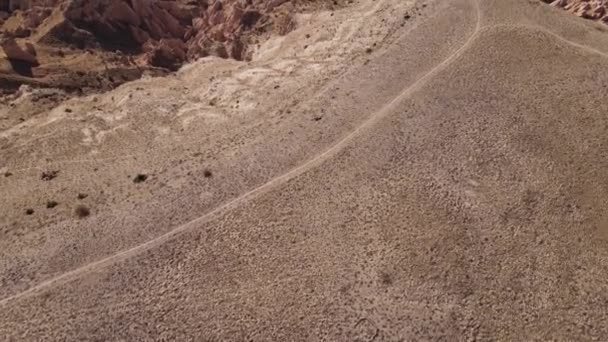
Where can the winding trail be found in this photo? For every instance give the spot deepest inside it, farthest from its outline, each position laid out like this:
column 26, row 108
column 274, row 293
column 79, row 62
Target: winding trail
column 282, row 179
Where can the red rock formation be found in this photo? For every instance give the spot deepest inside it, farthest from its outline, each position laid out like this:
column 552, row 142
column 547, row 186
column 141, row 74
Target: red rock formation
column 134, row 35
column 588, row 9
column 127, row 22
column 213, row 27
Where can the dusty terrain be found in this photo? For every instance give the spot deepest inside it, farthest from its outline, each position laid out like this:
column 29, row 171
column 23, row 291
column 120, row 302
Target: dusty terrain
column 388, row 171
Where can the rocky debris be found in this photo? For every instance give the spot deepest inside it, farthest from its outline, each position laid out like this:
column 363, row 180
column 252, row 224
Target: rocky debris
column 588, row 9
column 219, row 30
column 165, row 53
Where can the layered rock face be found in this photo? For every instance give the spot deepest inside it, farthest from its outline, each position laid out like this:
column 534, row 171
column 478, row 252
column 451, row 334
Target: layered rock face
column 588, row 9
column 171, row 32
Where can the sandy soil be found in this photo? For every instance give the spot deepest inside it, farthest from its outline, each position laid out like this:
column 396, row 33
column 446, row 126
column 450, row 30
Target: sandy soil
column 428, row 170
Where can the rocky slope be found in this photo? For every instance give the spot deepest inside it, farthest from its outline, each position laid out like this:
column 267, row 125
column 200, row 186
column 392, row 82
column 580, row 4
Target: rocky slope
column 102, row 43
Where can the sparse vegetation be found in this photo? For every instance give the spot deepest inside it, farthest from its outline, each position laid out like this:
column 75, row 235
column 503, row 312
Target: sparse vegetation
column 82, row 196
column 29, row 211
column 51, row 204
column 385, row 278
column 140, row 178
column 207, row 173
column 49, row 175
column 82, row 211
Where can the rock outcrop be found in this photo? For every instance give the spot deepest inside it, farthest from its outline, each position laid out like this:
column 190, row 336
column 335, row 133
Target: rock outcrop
column 588, row 9
column 164, row 33
column 14, row 52
column 96, row 40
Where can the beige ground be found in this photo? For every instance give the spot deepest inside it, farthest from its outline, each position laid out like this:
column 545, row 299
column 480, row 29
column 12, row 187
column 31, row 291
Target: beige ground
column 448, row 185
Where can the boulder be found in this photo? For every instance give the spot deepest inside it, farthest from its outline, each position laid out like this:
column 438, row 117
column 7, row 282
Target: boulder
column 14, row 52
column 166, row 53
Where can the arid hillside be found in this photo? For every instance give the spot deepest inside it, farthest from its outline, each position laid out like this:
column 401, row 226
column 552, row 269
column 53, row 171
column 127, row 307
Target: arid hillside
column 367, row 170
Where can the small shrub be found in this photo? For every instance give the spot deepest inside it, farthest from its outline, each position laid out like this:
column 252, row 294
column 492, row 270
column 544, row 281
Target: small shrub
column 385, row 278
column 82, row 211
column 140, row 178
column 49, row 175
